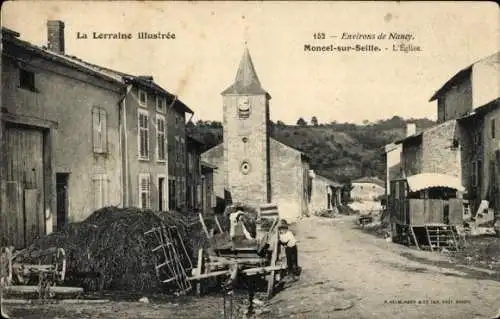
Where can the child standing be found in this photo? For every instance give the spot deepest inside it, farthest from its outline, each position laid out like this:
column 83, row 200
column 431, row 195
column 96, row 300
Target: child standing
column 288, row 240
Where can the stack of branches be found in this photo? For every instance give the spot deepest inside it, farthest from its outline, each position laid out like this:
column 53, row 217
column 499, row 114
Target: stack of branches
column 112, row 242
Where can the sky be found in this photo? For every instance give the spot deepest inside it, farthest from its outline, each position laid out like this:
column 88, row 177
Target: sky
column 333, row 86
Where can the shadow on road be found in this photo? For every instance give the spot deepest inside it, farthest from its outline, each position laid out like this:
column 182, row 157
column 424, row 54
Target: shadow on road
column 470, row 273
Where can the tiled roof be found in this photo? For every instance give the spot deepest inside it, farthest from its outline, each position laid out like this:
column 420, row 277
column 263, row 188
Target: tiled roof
column 74, row 62
column 371, row 180
column 246, row 81
column 492, row 59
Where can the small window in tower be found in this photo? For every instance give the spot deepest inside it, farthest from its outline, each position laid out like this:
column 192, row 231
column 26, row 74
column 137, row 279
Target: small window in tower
column 244, row 108
column 245, row 167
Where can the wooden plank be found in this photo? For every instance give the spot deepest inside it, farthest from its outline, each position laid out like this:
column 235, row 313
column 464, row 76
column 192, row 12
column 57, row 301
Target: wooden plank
column 456, row 211
column 15, row 230
column 218, row 225
column 33, row 220
column 34, row 289
column 209, row 275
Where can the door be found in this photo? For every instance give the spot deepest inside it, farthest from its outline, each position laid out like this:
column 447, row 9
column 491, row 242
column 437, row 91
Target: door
column 62, row 199
column 161, row 194
column 25, row 176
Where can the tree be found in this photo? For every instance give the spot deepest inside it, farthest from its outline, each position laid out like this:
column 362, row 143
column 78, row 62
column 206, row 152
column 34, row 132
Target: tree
column 314, row 121
column 301, row 122
column 280, row 124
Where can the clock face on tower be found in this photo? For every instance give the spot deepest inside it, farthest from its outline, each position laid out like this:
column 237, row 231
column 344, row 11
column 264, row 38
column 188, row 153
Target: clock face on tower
column 244, row 107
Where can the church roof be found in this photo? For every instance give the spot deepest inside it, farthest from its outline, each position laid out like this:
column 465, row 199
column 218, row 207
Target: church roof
column 246, row 81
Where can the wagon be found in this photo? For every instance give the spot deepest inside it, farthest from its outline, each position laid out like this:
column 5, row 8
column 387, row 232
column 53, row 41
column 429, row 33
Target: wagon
column 260, row 258
column 425, row 210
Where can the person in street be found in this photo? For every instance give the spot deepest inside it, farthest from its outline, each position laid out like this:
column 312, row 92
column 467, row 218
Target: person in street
column 238, row 232
column 288, row 240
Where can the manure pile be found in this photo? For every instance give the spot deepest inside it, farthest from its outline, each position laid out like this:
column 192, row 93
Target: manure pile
column 112, row 242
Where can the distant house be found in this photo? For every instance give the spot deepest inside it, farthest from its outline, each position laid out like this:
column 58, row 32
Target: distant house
column 208, row 198
column 367, row 188
column 325, row 194
column 194, row 174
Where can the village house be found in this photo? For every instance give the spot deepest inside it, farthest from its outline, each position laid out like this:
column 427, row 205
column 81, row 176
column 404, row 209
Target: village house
column 471, row 97
column 194, row 174
column 253, row 167
column 208, row 198
column 367, row 189
column 461, row 150
column 392, row 153
column 54, row 170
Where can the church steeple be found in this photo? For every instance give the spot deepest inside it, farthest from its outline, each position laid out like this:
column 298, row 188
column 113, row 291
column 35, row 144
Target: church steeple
column 246, row 81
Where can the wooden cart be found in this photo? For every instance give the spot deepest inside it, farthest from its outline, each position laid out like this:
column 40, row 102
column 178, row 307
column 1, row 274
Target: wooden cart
column 424, row 211
column 262, row 258
column 18, row 269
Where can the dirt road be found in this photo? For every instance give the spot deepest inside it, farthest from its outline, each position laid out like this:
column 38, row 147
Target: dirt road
column 348, row 273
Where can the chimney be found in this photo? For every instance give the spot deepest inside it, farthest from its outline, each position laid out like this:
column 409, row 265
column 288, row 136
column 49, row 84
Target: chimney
column 55, row 36
column 411, row 129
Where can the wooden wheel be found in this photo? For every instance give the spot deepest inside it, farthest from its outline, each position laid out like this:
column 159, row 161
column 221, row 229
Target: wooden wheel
column 6, row 264
column 274, row 259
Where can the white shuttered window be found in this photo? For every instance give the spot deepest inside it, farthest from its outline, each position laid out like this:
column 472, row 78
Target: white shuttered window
column 99, row 130
column 144, row 191
column 143, row 134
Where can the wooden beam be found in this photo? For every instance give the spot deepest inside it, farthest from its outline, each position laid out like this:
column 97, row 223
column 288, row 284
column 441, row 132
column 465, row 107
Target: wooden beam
column 218, row 225
column 34, row 289
column 204, row 226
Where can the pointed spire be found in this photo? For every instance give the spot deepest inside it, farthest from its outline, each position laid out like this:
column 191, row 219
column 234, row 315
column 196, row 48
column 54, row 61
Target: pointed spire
column 246, row 81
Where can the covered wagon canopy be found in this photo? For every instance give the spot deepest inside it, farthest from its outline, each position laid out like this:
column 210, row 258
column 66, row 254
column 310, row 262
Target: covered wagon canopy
column 429, row 180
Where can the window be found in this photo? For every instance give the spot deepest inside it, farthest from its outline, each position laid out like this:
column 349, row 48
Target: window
column 474, row 173
column 27, row 79
column 144, row 191
column 160, row 138
column 100, row 188
column 161, row 193
column 190, row 161
column 143, row 136
column 492, row 128
column 160, row 104
column 99, row 130
column 171, row 194
column 143, row 98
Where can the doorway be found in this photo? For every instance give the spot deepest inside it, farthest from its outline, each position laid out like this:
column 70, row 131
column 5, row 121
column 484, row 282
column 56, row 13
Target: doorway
column 62, row 199
column 161, row 194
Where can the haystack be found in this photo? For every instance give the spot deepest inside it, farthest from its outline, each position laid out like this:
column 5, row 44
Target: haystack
column 112, row 242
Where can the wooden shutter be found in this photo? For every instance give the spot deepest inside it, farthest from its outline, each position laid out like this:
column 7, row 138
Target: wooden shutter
column 104, row 130
column 96, row 131
column 144, row 191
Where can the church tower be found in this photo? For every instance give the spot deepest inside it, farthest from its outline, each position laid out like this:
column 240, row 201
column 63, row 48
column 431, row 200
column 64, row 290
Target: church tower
column 246, row 136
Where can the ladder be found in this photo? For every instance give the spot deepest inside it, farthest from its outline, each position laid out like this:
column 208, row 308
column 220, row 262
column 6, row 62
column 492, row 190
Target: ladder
column 441, row 236
column 169, row 267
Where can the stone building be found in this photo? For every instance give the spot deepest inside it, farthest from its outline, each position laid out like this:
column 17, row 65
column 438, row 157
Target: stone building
column 79, row 137
column 367, row 189
column 252, row 166
column 59, row 122
column 464, row 145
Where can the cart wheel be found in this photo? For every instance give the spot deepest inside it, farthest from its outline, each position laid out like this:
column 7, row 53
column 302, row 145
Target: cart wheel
column 6, row 271
column 60, row 264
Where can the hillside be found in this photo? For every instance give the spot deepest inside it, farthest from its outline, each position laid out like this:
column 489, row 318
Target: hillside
column 341, row 151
